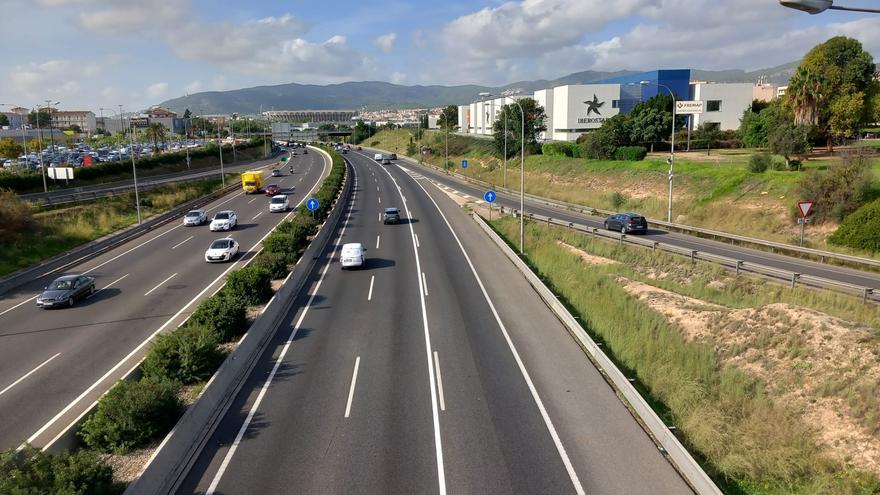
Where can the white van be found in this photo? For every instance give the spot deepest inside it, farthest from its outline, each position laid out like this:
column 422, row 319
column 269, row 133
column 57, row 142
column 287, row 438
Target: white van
column 378, row 157
column 352, row 255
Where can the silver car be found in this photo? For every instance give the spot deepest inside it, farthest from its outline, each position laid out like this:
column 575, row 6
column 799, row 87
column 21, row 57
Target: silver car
column 195, row 217
column 64, row 291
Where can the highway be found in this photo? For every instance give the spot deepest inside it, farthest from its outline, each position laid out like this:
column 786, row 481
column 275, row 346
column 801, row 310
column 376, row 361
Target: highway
column 55, row 363
column 782, row 262
column 436, row 369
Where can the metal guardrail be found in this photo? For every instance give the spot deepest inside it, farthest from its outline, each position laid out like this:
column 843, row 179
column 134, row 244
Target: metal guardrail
column 663, row 437
column 739, row 266
column 822, row 256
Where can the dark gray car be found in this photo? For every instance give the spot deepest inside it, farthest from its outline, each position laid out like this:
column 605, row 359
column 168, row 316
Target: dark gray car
column 64, row 291
column 627, row 223
column 392, row 215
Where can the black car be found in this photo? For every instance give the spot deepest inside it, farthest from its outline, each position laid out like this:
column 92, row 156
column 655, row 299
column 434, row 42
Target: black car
column 392, row 215
column 627, row 223
column 64, row 291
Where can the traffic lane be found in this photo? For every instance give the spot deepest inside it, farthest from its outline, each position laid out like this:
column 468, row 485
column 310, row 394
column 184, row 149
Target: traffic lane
column 494, row 437
column 20, row 295
column 805, row 267
column 598, row 431
column 95, row 340
column 316, row 456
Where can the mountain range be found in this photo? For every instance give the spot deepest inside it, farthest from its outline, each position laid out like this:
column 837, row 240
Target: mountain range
column 376, row 94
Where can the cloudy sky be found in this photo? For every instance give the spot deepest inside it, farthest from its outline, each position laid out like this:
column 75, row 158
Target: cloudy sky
column 101, row 53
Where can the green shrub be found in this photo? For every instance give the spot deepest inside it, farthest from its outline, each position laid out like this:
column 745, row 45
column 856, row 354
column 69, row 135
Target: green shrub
column 617, row 200
column 631, row 153
column 187, row 355
column 225, row 316
column 289, row 238
column 839, row 191
column 131, row 415
column 860, row 229
column 275, row 264
column 760, row 162
column 251, row 285
column 374, row 143
column 16, row 217
column 562, row 148
column 33, row 471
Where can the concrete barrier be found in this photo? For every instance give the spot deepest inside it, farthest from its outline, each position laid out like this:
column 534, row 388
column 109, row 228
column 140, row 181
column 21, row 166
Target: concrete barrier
column 181, row 448
column 675, row 452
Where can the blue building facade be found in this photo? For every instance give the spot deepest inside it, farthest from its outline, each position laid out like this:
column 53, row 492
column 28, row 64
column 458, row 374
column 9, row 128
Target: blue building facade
column 632, row 91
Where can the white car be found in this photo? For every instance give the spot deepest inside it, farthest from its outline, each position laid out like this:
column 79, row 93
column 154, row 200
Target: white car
column 195, row 217
column 378, row 157
column 279, row 203
column 222, row 250
column 352, row 255
column 224, row 220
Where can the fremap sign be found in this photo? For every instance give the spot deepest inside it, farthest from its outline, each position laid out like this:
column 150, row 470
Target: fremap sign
column 688, row 107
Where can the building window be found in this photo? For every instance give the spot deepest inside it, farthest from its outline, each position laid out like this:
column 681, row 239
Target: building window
column 615, row 103
column 713, row 106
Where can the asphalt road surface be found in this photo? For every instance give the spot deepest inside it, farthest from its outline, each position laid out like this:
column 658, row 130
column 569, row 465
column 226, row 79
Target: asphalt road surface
column 55, row 363
column 436, row 369
column 782, row 262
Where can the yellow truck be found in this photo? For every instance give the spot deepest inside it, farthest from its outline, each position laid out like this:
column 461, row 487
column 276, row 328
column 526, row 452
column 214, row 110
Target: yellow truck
column 252, row 181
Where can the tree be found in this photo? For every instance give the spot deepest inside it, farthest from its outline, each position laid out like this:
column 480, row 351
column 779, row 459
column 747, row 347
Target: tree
column 650, row 124
column 34, row 145
column 10, row 149
column 755, row 126
column 602, row 143
column 831, row 86
column 707, row 134
column 4, row 120
column 362, row 131
column 156, row 133
column 788, row 139
column 75, row 128
column 534, row 125
column 448, row 120
column 39, row 119
column 187, row 114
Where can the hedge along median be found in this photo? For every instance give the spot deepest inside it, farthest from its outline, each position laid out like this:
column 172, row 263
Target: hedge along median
column 136, row 413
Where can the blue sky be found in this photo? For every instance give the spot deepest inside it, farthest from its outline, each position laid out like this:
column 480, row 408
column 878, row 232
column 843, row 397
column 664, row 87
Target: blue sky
column 102, row 53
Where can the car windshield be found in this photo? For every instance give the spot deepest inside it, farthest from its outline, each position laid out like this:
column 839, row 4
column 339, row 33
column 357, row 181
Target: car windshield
column 220, row 244
column 221, row 216
column 278, row 200
column 194, row 214
column 250, row 183
column 61, row 285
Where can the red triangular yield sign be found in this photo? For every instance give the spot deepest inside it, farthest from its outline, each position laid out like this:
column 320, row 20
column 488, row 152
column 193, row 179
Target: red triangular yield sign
column 804, row 207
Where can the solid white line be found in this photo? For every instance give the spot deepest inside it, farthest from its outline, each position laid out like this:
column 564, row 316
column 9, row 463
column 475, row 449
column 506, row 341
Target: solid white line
column 250, row 417
column 181, row 242
column 425, row 283
column 572, row 474
column 354, row 377
column 106, row 286
column 370, row 294
column 29, row 373
column 438, row 444
column 417, row 241
column 255, row 216
column 150, row 338
column 160, row 284
column 439, row 382
column 377, row 242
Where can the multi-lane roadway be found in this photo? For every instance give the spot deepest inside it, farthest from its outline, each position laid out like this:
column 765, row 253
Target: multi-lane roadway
column 435, row 369
column 55, row 363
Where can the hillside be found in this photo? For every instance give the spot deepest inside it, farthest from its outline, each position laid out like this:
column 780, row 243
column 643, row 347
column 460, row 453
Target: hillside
column 377, row 94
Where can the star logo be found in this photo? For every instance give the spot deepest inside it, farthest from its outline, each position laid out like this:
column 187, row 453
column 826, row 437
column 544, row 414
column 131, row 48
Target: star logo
column 594, row 106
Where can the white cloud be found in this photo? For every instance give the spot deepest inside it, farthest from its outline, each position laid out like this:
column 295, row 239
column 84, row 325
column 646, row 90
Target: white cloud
column 385, row 42
column 157, row 90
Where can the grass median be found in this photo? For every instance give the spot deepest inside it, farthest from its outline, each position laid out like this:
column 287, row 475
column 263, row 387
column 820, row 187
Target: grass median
column 769, row 387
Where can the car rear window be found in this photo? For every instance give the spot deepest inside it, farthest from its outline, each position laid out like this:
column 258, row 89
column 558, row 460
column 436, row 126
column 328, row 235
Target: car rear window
column 392, row 211
column 220, row 244
column 221, row 216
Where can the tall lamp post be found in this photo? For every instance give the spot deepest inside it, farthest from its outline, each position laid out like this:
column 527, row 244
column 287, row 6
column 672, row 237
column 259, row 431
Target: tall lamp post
column 672, row 144
column 819, row 6
column 51, row 131
column 220, row 146
column 522, row 173
column 137, row 197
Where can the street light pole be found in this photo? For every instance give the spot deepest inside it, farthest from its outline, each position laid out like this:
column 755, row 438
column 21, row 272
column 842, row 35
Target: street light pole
column 819, row 6
column 671, row 159
column 220, row 145
column 137, row 198
column 51, row 131
column 40, row 140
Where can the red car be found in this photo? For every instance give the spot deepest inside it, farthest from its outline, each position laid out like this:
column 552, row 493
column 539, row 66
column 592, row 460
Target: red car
column 272, row 190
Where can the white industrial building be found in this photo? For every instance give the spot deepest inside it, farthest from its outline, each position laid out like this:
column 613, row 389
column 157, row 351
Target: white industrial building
column 574, row 109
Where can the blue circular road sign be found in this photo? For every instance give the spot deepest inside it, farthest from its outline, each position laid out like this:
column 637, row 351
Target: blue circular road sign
column 312, row 204
column 489, row 196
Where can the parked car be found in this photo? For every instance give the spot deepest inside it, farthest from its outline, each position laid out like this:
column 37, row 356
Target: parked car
column 278, row 203
column 392, row 215
column 64, row 291
column 627, row 223
column 272, row 189
column 276, row 172
column 352, row 255
column 222, row 250
column 195, row 217
column 224, row 220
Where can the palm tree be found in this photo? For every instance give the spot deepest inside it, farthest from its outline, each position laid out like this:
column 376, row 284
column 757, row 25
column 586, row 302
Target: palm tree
column 155, row 133
column 806, row 97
